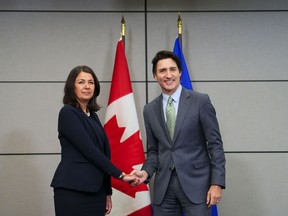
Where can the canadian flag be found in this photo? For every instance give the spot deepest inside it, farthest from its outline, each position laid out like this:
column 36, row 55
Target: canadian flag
column 122, row 128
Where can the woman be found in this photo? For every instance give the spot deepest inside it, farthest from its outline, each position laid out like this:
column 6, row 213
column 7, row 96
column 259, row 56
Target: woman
column 82, row 183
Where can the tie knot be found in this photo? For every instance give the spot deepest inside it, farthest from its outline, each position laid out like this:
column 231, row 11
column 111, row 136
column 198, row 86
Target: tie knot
column 170, row 100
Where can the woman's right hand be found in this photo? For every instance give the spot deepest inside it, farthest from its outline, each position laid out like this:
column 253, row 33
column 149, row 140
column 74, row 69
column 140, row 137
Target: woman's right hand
column 132, row 179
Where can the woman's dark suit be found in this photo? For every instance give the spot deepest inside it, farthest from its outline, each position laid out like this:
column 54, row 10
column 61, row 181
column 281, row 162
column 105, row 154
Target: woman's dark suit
column 85, row 154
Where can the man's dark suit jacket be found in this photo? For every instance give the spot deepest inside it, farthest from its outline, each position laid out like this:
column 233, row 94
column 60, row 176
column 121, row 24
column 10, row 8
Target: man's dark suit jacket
column 85, row 153
column 196, row 151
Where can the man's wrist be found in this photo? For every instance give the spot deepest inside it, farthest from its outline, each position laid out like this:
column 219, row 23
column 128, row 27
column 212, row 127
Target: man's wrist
column 146, row 174
column 215, row 185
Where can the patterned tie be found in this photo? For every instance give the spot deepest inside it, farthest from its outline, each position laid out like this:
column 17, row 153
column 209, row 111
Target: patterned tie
column 170, row 117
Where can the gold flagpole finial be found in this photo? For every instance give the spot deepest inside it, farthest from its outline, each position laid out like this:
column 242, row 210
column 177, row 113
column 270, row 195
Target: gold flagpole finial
column 123, row 26
column 179, row 25
column 123, row 29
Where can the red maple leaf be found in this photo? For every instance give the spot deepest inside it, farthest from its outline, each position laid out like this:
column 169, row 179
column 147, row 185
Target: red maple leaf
column 125, row 155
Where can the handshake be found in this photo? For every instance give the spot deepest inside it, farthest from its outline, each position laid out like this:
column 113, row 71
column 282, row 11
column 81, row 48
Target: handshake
column 136, row 177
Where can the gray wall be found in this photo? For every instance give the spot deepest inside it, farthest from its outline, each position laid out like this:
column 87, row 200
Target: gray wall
column 236, row 52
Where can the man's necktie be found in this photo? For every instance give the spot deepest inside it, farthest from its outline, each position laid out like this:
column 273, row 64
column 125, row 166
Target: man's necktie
column 170, row 117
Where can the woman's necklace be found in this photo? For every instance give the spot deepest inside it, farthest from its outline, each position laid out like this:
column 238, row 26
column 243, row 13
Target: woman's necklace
column 87, row 113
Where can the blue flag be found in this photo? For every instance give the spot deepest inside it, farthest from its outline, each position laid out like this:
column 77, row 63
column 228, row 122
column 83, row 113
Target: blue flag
column 185, row 78
column 186, row 83
column 214, row 211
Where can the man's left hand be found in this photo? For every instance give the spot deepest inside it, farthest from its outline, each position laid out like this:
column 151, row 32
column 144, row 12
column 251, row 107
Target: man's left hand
column 214, row 195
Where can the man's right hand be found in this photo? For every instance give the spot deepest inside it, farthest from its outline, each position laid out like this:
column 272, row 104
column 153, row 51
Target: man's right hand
column 142, row 176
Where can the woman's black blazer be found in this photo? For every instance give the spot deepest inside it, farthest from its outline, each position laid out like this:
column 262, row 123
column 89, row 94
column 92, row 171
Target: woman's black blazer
column 85, row 163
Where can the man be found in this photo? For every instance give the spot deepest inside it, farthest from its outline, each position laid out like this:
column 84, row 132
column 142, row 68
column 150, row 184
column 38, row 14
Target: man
column 185, row 153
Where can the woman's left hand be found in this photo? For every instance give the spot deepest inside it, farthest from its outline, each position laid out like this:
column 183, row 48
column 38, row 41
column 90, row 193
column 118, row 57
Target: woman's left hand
column 108, row 204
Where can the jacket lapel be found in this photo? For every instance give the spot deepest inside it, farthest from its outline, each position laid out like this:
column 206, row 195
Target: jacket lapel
column 94, row 115
column 182, row 110
column 159, row 109
column 160, row 115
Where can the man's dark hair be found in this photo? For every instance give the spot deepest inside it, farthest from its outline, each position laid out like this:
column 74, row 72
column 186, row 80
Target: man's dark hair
column 164, row 54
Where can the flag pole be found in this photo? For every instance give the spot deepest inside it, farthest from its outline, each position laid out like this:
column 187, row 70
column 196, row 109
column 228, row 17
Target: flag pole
column 123, row 29
column 179, row 25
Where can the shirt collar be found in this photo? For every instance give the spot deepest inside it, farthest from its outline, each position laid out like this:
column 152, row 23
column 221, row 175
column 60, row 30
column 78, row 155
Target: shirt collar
column 175, row 96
